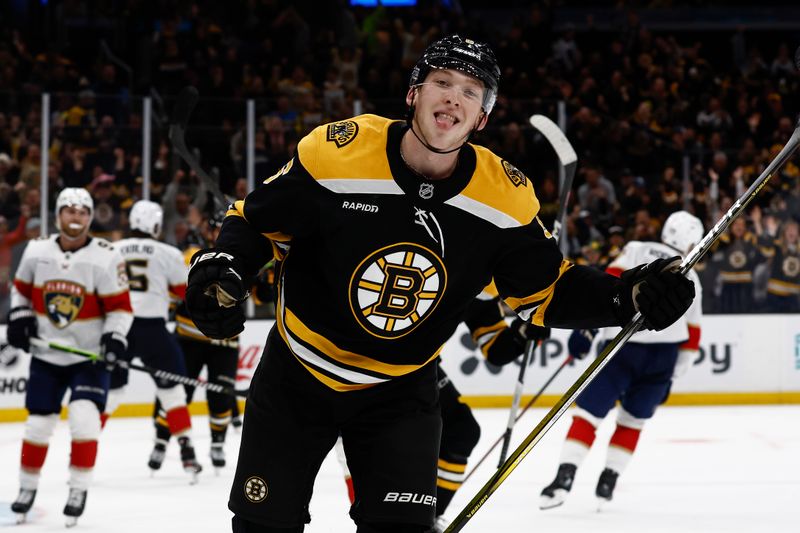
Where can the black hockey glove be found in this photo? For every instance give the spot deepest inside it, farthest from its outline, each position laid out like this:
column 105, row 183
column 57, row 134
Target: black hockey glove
column 214, row 293
column 524, row 331
column 580, row 342
column 113, row 347
column 658, row 291
column 22, row 326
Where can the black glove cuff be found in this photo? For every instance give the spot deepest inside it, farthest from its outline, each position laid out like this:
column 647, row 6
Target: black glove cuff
column 19, row 313
column 115, row 336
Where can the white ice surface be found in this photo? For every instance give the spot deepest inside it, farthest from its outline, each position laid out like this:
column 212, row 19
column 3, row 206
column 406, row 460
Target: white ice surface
column 697, row 469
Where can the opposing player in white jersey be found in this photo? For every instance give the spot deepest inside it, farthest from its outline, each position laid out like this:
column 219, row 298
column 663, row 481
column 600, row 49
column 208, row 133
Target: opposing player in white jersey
column 639, row 376
column 156, row 274
column 72, row 289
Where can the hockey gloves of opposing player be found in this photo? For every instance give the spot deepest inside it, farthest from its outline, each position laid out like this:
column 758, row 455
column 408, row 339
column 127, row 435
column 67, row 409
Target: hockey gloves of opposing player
column 22, row 326
column 214, row 293
column 580, row 342
column 113, row 347
column 658, row 292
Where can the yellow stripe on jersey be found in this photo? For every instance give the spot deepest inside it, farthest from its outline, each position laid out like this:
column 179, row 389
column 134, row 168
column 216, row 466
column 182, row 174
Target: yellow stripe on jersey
column 492, row 195
column 489, row 292
column 544, row 295
column 452, row 467
column 341, row 156
column 486, row 336
column 316, row 359
column 449, row 485
column 328, row 348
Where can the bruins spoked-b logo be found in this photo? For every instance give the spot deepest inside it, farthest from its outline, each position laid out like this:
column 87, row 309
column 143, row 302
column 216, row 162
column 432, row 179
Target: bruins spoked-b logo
column 255, row 489
column 394, row 289
column 790, row 266
column 514, row 174
column 63, row 300
column 737, row 259
column 342, row 132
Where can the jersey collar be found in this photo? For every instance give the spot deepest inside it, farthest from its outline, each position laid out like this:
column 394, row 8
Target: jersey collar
column 415, row 186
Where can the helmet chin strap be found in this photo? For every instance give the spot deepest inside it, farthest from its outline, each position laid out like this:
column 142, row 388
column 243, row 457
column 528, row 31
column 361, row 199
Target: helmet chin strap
column 426, row 144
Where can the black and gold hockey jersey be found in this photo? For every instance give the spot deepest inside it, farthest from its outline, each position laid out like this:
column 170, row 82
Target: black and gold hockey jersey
column 489, row 330
column 379, row 264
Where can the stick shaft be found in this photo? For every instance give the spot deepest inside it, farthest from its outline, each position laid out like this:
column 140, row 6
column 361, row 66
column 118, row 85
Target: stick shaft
column 530, row 346
column 530, row 403
column 155, row 372
column 614, row 346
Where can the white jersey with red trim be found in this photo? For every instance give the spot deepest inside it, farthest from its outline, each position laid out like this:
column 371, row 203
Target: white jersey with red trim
column 637, row 253
column 77, row 295
column 156, row 272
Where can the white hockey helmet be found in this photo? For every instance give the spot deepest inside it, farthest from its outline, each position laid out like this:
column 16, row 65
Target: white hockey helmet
column 682, row 231
column 147, row 217
column 74, row 196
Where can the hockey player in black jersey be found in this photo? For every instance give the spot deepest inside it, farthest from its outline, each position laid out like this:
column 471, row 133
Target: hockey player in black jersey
column 386, row 231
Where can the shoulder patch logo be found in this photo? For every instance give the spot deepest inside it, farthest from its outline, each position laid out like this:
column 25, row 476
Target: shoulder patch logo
column 396, row 288
column 514, row 174
column 342, row 133
column 63, row 300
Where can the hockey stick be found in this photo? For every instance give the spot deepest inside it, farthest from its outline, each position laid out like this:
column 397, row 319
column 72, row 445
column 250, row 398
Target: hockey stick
column 530, row 403
column 614, row 346
column 568, row 160
column 155, row 372
column 186, row 101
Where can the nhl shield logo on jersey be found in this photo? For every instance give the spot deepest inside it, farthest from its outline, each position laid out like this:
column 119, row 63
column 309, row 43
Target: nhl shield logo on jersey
column 514, row 174
column 394, row 289
column 63, row 300
column 342, row 133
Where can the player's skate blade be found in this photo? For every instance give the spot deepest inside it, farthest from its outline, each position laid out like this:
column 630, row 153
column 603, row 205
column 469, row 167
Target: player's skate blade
column 23, row 504
column 605, row 488
column 556, row 492
column 76, row 503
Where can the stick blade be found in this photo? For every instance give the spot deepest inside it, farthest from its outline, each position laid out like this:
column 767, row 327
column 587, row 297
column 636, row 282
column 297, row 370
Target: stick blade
column 564, row 150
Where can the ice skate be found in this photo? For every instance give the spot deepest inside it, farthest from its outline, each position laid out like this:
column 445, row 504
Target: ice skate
column 23, row 504
column 157, row 455
column 441, row 524
column 76, row 502
column 605, row 487
column 217, row 455
column 556, row 492
column 236, row 422
column 189, row 459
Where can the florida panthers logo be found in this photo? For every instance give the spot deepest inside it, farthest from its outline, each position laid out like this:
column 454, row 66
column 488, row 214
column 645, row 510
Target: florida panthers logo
column 63, row 300
column 394, row 289
column 342, row 133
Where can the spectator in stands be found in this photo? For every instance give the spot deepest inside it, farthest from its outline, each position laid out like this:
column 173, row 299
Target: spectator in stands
column 183, row 200
column 597, row 194
column 9, row 239
column 736, row 253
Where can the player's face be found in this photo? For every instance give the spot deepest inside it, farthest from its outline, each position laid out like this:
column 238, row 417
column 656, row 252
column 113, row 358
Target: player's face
column 74, row 221
column 447, row 107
